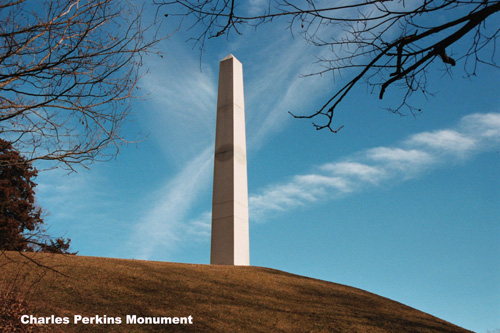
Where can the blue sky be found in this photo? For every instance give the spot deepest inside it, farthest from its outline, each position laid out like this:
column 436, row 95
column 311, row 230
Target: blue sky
column 404, row 207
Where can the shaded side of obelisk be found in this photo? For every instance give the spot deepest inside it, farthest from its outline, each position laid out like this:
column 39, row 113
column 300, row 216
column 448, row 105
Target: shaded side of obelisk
column 230, row 235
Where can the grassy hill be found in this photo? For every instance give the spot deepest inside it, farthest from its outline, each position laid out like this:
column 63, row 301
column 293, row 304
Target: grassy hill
column 219, row 298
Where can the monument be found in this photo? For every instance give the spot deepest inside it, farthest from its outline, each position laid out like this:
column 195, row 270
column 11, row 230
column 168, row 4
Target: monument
column 230, row 236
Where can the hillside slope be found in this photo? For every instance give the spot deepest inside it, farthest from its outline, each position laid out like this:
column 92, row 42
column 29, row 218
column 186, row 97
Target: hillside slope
column 219, row 298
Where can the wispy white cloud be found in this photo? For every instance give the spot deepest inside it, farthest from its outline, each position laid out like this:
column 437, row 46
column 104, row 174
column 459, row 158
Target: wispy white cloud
column 485, row 126
column 445, row 140
column 370, row 167
column 161, row 228
column 181, row 101
column 408, row 159
column 183, row 122
column 372, row 174
column 181, row 117
column 257, row 7
column 274, row 86
column 326, row 181
column 200, row 227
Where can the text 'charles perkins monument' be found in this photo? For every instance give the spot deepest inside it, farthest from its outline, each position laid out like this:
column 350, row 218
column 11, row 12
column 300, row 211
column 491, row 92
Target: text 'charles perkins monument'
column 230, row 236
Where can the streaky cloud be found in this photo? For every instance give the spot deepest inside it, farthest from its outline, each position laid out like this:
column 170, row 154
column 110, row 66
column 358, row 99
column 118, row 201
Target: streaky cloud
column 445, row 140
column 408, row 161
column 356, row 170
column 483, row 125
column 160, row 229
column 371, row 167
column 180, row 107
column 374, row 166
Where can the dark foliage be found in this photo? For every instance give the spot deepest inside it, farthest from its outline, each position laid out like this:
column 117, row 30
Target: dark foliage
column 21, row 222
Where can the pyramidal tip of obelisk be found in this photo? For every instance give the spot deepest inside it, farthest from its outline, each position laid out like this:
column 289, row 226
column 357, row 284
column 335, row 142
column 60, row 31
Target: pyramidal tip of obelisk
column 229, row 56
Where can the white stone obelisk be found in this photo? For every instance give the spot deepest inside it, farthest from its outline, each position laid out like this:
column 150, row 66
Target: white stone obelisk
column 230, row 236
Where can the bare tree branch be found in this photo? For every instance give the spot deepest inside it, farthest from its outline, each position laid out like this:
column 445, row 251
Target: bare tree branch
column 68, row 70
column 360, row 37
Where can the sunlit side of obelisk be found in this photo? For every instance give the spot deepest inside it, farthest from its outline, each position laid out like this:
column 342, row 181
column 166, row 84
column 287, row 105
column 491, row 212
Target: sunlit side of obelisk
column 230, row 236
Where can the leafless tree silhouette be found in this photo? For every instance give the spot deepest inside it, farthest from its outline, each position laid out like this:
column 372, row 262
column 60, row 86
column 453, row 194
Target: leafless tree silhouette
column 67, row 72
column 384, row 41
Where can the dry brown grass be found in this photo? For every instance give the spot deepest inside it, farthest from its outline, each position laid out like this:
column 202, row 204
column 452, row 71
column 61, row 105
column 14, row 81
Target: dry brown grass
column 219, row 298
